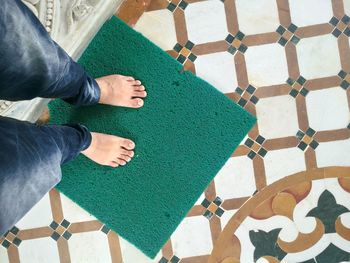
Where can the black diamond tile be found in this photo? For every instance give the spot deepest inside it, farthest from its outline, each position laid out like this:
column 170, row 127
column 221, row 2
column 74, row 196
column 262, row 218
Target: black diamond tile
column 260, row 139
column 301, row 80
column 16, row 241
column 344, row 84
column 290, row 81
column 242, row 102
column 348, row 126
column 300, row 135
column 295, row 40
column 6, row 244
column 65, row 223
column 345, row 19
column 254, row 99
column 347, row 32
column 304, row 92
column 14, row 230
column 292, row 28
column 240, row 35
column 342, row 74
column 6, row 233
column 55, row 236
column 280, row 30
column 293, row 93
column 163, row 260
column 239, row 90
column 250, row 89
column 192, row 57
column 174, row 259
column 181, row 58
column 336, row 32
column 242, row 48
column 302, row 145
column 229, row 38
column 177, row 47
column 171, row 7
column 249, row 142
column 208, row 214
column 282, row 41
column 314, row 144
column 232, row 50
column 205, row 203
column 67, row 235
column 105, row 229
column 217, row 201
column 251, row 154
column 262, row 152
column 53, row 225
column 189, row 45
column 334, row 21
column 310, row 132
column 219, row 212
column 183, row 5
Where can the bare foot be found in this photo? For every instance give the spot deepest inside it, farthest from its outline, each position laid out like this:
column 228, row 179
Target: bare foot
column 118, row 90
column 109, row 150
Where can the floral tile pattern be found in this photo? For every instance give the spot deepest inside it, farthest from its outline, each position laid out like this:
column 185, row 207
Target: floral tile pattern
column 284, row 195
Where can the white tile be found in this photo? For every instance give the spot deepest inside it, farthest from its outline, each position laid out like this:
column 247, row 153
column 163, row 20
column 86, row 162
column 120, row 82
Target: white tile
column 284, row 162
column 347, row 7
column 257, row 16
column 39, row 250
column 73, row 212
column 318, row 56
column 159, row 27
column 266, row 65
column 300, row 12
column 277, row 116
column 206, row 21
column 3, row 255
column 328, row 109
column 192, row 237
column 333, row 153
column 40, row 215
column 236, row 178
column 132, row 254
column 200, row 199
column 89, row 247
column 219, row 70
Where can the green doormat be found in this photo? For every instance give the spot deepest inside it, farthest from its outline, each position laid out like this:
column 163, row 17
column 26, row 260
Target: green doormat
column 184, row 134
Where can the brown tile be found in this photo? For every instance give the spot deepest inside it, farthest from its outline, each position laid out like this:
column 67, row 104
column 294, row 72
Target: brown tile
column 255, row 147
column 167, row 249
column 299, row 191
column 180, row 26
column 338, row 8
column 56, row 205
column 131, row 10
column 211, row 47
column 79, row 227
column 234, row 203
column 344, row 183
column 212, row 207
column 281, row 143
column 241, row 70
column 322, row 83
column 270, row 91
column 342, row 230
column 63, row 250
column 302, row 113
column 236, row 43
column 34, row 233
column 314, row 30
column 13, row 254
column 197, row 259
column 261, row 39
column 157, row 5
column 344, row 52
column 215, row 228
column 292, row 60
column 283, row 12
column 185, row 52
column 196, row 211
column 284, row 204
column 114, row 247
column 333, row 135
column 307, row 139
column 231, row 16
column 287, row 35
column 241, row 150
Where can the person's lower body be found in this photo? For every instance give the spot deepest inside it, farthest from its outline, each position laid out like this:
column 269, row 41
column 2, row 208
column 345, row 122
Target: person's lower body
column 33, row 65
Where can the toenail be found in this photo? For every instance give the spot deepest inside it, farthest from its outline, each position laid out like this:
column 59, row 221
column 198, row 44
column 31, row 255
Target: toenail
column 140, row 102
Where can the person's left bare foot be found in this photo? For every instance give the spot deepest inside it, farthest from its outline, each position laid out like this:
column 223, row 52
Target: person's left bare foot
column 118, row 90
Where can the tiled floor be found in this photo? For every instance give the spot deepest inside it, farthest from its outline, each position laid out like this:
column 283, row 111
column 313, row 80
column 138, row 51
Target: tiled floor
column 284, row 195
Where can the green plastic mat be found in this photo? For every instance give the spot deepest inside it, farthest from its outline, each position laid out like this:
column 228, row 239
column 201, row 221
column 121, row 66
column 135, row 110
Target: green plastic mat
column 184, row 134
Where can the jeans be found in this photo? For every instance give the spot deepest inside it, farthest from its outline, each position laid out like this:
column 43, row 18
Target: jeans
column 33, row 65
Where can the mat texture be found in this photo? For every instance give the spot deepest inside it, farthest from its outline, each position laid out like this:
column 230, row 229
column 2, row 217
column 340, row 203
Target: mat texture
column 184, row 134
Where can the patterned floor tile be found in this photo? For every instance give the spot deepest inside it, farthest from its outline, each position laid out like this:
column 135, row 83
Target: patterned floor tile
column 236, row 178
column 283, row 162
column 192, row 237
column 206, row 21
column 3, row 255
column 74, row 213
column 38, row 250
column 159, row 27
column 339, row 156
column 266, row 65
column 318, row 57
column 277, row 116
column 328, row 109
column 219, row 70
column 301, row 17
column 257, row 16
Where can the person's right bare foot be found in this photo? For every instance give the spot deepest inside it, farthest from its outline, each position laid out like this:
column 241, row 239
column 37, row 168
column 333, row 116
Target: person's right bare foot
column 109, row 150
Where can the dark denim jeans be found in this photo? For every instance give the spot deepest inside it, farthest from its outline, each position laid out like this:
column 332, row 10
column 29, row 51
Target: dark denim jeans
column 33, row 65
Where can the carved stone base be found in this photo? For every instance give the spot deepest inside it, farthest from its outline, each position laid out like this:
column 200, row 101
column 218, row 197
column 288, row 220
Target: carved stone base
column 72, row 24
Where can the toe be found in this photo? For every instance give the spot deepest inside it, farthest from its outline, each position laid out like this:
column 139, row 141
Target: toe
column 129, row 78
column 121, row 161
column 128, row 144
column 137, row 83
column 140, row 94
column 125, row 158
column 136, row 103
column 127, row 153
column 114, row 164
column 139, row 88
